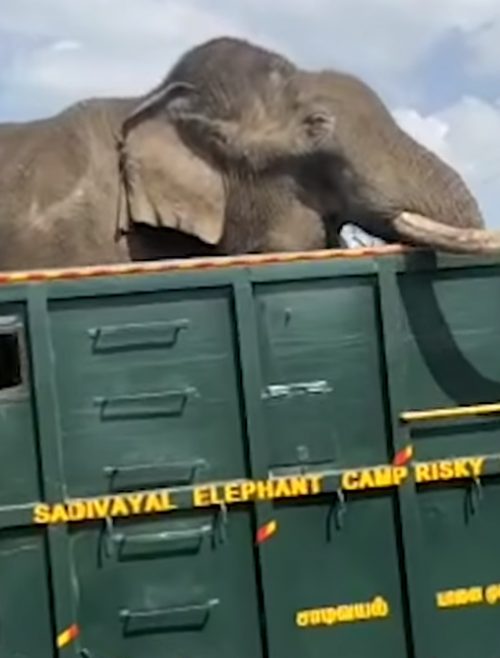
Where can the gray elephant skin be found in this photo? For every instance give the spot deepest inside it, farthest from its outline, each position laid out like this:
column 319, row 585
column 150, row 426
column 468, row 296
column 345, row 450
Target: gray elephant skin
column 236, row 151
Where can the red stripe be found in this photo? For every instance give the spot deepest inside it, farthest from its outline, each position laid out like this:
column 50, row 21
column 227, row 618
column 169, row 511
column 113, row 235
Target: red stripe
column 198, row 263
column 403, row 456
column 266, row 531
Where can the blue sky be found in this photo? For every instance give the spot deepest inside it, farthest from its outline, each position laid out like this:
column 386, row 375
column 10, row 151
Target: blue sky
column 436, row 63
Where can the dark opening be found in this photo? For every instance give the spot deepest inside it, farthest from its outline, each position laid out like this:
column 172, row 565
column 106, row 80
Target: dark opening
column 10, row 361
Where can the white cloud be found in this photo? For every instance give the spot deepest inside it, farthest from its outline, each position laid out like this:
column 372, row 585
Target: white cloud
column 383, row 36
column 65, row 45
column 133, row 42
column 485, row 49
column 467, row 135
column 56, row 51
column 64, row 53
column 430, row 130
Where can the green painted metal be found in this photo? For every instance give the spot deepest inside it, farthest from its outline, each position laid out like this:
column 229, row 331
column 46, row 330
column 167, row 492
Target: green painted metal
column 178, row 380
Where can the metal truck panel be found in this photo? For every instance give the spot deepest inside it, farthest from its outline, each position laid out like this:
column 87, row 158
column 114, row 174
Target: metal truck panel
column 255, row 459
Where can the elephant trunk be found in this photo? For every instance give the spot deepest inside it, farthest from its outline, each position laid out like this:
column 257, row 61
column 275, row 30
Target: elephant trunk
column 432, row 188
column 421, row 200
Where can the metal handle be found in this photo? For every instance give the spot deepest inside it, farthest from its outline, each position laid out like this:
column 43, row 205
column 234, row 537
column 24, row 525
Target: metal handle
column 450, row 413
column 164, row 403
column 124, row 546
column 123, row 478
column 189, row 617
column 287, row 391
column 337, row 512
column 473, row 498
column 147, row 334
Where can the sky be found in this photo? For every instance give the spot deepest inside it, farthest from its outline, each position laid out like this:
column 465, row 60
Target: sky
column 436, row 63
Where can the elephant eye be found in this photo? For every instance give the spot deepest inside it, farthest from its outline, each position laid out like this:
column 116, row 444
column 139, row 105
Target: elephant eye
column 318, row 126
column 315, row 119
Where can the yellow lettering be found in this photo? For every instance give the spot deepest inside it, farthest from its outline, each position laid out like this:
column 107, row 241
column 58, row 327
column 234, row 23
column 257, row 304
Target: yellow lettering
column 492, row 594
column 248, row 490
column 299, row 486
column 59, row 514
column 316, row 482
column 374, row 478
column 166, row 501
column 434, row 468
column 441, row 600
column 232, row 493
column 41, row 513
column 328, row 616
column 460, row 597
column 282, row 489
column 449, row 599
column 135, row 501
column 101, row 507
column 383, row 476
column 476, row 595
column 376, row 609
column 89, row 510
column 446, row 470
column 350, row 480
column 119, row 507
column 315, row 617
column 301, row 618
column 265, row 490
column 379, row 607
column 361, row 611
column 345, row 613
column 423, row 473
column 477, row 465
column 461, row 468
column 400, row 473
column 153, row 503
column 76, row 511
column 366, row 480
column 201, row 496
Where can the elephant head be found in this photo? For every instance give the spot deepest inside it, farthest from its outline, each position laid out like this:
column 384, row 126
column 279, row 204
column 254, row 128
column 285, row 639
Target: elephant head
column 173, row 180
column 243, row 150
column 376, row 175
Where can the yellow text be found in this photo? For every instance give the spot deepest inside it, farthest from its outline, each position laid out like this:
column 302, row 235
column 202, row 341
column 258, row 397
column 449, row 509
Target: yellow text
column 256, row 490
column 104, row 507
column 449, row 469
column 466, row 596
column 380, row 477
column 374, row 478
column 330, row 616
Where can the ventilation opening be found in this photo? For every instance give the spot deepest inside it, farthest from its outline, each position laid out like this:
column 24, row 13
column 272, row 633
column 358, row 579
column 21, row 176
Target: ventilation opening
column 10, row 359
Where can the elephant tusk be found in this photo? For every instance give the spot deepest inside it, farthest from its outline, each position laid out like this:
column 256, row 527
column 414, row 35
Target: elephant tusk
column 421, row 230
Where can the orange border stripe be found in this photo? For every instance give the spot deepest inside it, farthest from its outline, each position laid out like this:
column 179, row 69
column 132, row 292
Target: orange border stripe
column 266, row 531
column 188, row 264
column 403, row 456
column 67, row 636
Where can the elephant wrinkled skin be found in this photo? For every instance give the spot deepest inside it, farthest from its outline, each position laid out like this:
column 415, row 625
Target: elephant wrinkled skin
column 236, row 151
column 348, row 158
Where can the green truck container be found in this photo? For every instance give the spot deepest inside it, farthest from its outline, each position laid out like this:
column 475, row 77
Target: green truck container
column 252, row 460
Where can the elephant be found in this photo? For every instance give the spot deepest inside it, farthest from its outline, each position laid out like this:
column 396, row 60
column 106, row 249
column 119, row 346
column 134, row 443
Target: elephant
column 350, row 162
column 236, row 150
column 107, row 180
column 61, row 193
column 240, row 82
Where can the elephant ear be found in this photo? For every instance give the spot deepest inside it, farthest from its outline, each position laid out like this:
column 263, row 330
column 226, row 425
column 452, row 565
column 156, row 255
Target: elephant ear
column 169, row 185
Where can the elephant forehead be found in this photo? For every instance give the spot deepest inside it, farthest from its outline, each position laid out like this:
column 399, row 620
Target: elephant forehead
column 341, row 92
